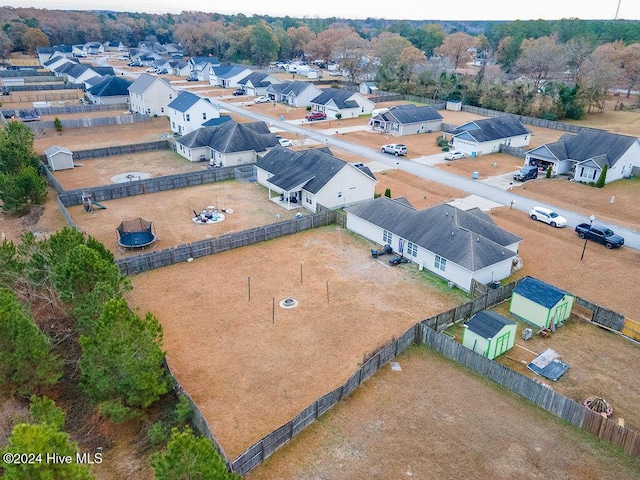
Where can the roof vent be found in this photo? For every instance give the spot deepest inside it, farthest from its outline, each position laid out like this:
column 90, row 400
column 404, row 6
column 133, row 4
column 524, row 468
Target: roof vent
column 478, row 239
column 452, row 234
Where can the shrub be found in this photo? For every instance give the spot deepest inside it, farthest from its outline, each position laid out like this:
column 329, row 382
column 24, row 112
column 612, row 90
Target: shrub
column 602, row 177
column 442, row 142
column 338, row 116
column 387, row 193
column 57, row 124
column 549, row 171
column 308, row 108
column 445, row 149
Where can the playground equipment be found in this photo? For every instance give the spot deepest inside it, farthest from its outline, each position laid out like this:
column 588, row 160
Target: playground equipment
column 89, row 203
column 136, row 233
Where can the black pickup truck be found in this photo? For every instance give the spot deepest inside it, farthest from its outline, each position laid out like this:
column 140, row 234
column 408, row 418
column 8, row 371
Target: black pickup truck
column 599, row 234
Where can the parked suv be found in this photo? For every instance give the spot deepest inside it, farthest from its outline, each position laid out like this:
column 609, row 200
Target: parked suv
column 311, row 116
column 526, row 173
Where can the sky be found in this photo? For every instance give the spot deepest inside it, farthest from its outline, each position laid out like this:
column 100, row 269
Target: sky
column 408, row 9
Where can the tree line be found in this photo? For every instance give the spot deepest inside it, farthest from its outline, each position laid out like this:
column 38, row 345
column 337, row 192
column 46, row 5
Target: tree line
column 64, row 317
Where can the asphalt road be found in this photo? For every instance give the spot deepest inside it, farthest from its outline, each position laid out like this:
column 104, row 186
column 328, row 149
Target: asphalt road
column 489, row 192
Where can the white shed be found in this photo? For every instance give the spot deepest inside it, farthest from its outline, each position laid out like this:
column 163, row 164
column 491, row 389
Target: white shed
column 59, row 158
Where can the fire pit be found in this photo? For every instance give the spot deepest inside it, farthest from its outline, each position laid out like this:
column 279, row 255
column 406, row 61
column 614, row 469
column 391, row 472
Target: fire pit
column 289, row 303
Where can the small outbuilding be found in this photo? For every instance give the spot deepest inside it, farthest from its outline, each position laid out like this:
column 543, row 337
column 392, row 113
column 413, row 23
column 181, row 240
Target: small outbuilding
column 541, row 304
column 59, row 158
column 489, row 334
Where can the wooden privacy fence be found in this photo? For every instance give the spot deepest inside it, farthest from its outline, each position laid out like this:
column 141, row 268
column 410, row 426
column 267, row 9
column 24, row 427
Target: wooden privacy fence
column 211, row 246
column 198, row 418
column 259, row 451
column 150, row 185
column 121, row 150
column 428, row 332
column 603, row 316
column 543, row 396
column 89, row 122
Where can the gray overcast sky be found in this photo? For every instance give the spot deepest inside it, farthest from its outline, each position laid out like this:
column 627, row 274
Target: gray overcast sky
column 408, row 9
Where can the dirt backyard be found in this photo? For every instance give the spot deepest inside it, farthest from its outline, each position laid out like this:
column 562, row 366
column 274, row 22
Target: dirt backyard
column 251, row 367
column 437, row 420
column 172, row 212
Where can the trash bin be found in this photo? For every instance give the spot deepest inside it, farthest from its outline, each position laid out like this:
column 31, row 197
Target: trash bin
column 474, row 175
column 495, row 284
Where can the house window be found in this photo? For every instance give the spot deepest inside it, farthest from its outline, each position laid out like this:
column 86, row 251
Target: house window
column 412, row 249
column 204, row 115
column 173, row 125
column 339, row 194
column 440, row 263
column 387, row 237
column 170, row 96
column 161, row 109
column 587, row 172
column 187, row 118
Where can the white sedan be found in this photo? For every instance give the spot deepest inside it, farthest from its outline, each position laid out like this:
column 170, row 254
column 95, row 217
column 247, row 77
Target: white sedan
column 453, row 155
column 285, row 142
column 261, row 99
column 547, row 216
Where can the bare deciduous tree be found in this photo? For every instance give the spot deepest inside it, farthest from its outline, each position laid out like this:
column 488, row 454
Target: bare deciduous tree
column 540, row 58
column 458, row 47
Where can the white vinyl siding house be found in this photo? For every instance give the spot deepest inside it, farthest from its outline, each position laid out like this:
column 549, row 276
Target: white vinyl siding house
column 482, row 137
column 189, row 111
column 313, row 177
column 456, row 245
column 347, row 104
column 151, row 95
column 583, row 156
column 406, row 120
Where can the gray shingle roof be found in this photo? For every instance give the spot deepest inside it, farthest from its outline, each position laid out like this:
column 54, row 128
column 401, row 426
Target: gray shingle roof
column 77, row 70
column 404, row 114
column 539, row 292
column 313, row 168
column 230, row 137
column 487, row 324
column 185, row 101
column 143, row 82
column 296, row 87
column 103, row 70
column 110, row 86
column 338, row 96
column 603, row 147
column 490, row 129
column 255, row 78
column 469, row 239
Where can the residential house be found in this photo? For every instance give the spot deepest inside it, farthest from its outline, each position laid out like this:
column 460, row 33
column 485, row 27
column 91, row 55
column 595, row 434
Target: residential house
column 345, row 103
column 150, row 94
column 47, row 53
column 227, row 77
column 481, row 137
column 541, row 304
column 367, row 88
column 489, row 333
column 294, row 94
column 460, row 246
column 93, row 48
column 62, row 69
column 257, row 83
column 56, row 61
column 78, row 51
column 114, row 46
column 407, row 120
column 79, row 73
column 111, row 90
column 311, row 178
column 227, row 144
column 182, row 69
column 189, row 111
column 59, row 158
column 201, row 67
column 584, row 156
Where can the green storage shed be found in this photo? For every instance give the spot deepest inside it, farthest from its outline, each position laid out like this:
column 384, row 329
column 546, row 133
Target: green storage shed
column 541, row 304
column 489, row 334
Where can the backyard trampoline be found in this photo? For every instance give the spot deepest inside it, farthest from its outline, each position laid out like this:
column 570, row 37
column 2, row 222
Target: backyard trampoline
column 136, row 233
